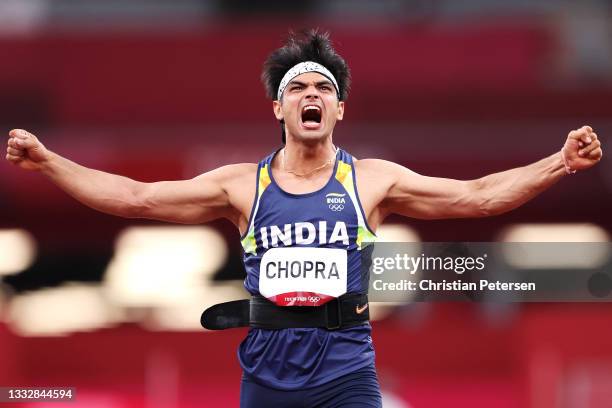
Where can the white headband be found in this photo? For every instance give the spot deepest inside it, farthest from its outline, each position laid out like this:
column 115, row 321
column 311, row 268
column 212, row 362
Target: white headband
column 301, row 68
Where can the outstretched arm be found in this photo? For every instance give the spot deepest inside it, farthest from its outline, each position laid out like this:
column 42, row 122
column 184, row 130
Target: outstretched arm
column 190, row 201
column 418, row 196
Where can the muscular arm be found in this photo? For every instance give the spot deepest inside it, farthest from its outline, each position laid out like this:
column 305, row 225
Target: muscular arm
column 425, row 197
column 418, row 196
column 200, row 199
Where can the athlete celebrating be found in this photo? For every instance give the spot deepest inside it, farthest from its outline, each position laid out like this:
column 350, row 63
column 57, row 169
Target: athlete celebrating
column 306, row 232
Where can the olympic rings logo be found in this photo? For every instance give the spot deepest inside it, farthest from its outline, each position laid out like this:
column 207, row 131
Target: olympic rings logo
column 314, row 299
column 336, row 207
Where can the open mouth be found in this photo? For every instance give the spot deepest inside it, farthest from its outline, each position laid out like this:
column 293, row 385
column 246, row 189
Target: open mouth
column 311, row 116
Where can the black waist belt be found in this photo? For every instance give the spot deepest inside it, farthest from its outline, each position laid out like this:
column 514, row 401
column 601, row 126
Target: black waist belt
column 346, row 311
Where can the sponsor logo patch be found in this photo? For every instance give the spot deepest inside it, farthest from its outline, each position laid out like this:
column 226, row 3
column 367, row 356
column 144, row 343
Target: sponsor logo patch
column 361, row 309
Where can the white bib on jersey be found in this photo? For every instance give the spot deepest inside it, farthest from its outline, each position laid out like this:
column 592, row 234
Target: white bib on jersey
column 303, row 276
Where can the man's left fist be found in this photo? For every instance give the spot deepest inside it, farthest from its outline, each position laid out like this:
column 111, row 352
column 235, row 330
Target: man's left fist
column 582, row 149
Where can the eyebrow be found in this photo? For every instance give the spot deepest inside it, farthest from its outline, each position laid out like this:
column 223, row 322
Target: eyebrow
column 318, row 83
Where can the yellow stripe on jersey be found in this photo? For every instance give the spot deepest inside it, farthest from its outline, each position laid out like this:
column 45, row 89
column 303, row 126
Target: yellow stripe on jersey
column 264, row 180
column 249, row 244
column 344, row 174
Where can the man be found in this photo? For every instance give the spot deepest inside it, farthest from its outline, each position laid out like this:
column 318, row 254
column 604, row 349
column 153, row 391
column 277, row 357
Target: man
column 306, row 214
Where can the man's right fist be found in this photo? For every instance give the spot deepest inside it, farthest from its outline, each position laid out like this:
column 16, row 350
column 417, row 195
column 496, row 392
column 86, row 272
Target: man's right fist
column 24, row 150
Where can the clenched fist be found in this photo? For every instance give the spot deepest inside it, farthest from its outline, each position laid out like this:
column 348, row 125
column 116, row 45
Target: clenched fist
column 25, row 150
column 581, row 150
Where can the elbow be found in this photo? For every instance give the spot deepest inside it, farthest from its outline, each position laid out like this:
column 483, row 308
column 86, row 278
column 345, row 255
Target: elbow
column 490, row 199
column 138, row 204
column 133, row 211
column 484, row 208
column 484, row 203
column 129, row 209
column 489, row 206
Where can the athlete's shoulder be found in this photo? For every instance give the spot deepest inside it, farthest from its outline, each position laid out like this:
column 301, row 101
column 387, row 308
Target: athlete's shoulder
column 238, row 169
column 376, row 166
column 230, row 177
column 234, row 171
column 238, row 182
column 378, row 174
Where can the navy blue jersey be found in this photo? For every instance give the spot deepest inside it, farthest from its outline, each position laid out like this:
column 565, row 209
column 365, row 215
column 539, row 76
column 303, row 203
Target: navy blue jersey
column 305, row 249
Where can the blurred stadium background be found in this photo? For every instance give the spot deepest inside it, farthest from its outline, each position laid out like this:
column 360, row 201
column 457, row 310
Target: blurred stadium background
column 168, row 89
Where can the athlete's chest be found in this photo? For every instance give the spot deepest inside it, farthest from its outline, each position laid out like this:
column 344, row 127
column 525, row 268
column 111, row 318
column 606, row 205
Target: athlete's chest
column 304, row 242
column 295, row 185
column 331, row 202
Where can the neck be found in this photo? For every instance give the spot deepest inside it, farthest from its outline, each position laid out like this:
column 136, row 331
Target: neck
column 303, row 157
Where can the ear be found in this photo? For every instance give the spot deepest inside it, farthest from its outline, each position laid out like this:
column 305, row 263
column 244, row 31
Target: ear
column 278, row 112
column 340, row 110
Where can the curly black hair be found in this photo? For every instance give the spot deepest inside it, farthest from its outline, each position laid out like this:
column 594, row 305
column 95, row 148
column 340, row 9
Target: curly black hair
column 306, row 45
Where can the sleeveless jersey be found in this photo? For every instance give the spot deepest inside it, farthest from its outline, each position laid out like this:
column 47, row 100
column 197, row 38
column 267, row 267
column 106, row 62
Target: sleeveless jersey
column 331, row 217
